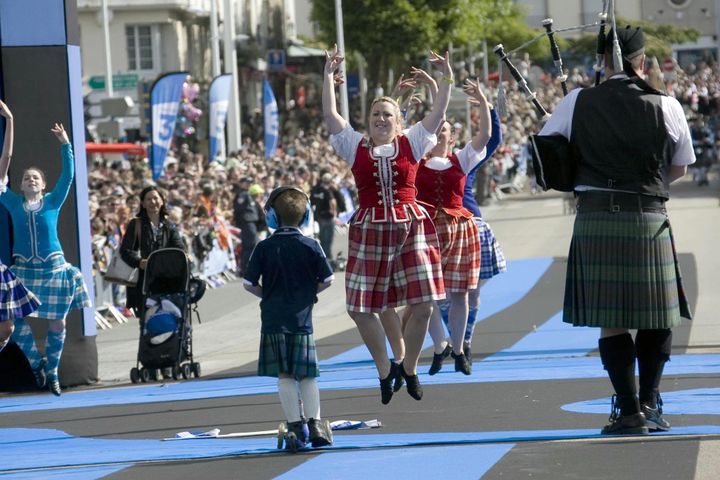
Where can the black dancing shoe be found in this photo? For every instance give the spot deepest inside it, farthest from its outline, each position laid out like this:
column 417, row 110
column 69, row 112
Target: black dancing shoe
column 40, row 375
column 466, row 351
column 398, row 382
column 318, row 437
column 632, row 424
column 54, row 387
column 386, row 384
column 655, row 421
column 412, row 383
column 438, row 359
column 462, row 364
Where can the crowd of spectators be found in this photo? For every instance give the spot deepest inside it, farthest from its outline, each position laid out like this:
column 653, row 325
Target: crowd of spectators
column 201, row 196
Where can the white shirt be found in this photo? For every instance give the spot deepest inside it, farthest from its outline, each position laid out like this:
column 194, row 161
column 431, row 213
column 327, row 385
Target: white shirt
column 347, row 141
column 560, row 123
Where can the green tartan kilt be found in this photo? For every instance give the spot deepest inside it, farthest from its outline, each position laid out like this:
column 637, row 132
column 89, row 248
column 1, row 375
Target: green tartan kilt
column 622, row 272
column 293, row 354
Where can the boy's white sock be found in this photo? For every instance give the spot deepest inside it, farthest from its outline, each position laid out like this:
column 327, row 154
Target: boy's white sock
column 288, row 392
column 310, row 394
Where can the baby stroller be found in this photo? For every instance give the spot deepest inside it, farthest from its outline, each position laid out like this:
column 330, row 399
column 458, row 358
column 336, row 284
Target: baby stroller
column 165, row 345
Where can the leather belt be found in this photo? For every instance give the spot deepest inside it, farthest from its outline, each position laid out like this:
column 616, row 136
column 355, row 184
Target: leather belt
column 615, row 202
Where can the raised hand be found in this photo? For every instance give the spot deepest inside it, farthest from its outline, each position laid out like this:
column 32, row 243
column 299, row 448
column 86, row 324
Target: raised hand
column 333, row 60
column 5, row 111
column 402, row 86
column 338, row 79
column 421, row 76
column 473, row 90
column 59, row 131
column 442, row 63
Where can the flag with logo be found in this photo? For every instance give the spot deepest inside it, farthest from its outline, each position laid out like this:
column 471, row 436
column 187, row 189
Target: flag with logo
column 219, row 97
column 165, row 99
column 271, row 121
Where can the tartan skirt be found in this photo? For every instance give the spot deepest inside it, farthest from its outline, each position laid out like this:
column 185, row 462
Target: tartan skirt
column 392, row 264
column 622, row 272
column 460, row 251
column 492, row 258
column 16, row 301
column 59, row 286
column 293, row 354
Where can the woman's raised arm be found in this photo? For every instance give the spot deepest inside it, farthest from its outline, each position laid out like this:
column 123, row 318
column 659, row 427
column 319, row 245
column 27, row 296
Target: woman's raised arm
column 335, row 123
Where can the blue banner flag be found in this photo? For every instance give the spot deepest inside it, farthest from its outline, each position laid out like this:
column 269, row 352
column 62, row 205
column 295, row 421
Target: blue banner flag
column 165, row 99
column 271, row 121
column 219, row 97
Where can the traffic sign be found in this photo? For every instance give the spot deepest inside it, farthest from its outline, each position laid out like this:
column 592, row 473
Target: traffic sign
column 668, row 65
column 120, row 81
column 276, row 60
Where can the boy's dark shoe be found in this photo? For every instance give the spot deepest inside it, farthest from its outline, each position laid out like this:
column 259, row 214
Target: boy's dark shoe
column 318, row 436
column 386, row 384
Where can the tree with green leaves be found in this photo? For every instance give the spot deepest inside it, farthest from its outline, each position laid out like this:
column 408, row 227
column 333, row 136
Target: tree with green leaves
column 397, row 33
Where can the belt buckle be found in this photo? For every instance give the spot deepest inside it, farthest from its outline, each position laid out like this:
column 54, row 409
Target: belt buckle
column 614, row 208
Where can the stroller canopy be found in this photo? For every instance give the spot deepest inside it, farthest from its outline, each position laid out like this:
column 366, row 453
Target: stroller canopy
column 167, row 271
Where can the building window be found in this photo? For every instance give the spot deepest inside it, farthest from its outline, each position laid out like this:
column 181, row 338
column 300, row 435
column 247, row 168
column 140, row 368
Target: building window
column 139, row 47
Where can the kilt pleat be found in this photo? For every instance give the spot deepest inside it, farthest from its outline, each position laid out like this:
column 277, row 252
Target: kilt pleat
column 392, row 264
column 59, row 286
column 460, row 252
column 293, row 354
column 492, row 258
column 622, row 272
column 16, row 301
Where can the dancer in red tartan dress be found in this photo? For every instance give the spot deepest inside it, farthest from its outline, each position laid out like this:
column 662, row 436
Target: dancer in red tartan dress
column 393, row 254
column 441, row 184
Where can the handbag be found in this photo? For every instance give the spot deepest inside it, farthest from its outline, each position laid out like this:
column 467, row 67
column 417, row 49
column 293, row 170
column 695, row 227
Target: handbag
column 118, row 271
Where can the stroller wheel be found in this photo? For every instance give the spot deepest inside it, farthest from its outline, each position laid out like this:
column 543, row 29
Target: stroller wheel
column 145, row 375
column 134, row 375
column 175, row 372
column 196, row 369
column 186, row 371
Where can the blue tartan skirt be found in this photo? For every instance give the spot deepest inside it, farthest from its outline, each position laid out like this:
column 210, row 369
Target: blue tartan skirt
column 59, row 286
column 293, row 354
column 622, row 272
column 492, row 259
column 16, row 301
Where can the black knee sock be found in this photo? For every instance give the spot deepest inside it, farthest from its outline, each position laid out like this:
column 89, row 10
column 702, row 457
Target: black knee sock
column 618, row 357
column 653, row 350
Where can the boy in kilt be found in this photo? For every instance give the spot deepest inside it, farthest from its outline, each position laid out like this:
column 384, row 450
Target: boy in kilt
column 632, row 141
column 15, row 300
column 293, row 270
column 39, row 262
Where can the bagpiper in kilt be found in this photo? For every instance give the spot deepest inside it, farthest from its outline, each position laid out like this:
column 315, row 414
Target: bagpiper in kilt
column 631, row 142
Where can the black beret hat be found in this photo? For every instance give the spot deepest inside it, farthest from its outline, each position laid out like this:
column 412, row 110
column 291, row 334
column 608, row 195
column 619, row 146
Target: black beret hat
column 631, row 40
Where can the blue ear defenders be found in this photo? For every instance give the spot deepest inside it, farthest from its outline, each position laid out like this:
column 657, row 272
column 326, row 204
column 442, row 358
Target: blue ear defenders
column 271, row 217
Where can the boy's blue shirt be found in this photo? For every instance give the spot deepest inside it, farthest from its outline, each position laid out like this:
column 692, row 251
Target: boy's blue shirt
column 290, row 265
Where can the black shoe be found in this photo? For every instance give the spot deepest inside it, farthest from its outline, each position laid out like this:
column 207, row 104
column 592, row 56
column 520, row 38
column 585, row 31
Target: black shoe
column 466, row 350
column 398, row 382
column 40, row 375
column 54, row 387
column 414, row 388
column 632, row 424
column 462, row 364
column 318, row 436
column 297, row 429
column 386, row 384
column 655, row 421
column 438, row 359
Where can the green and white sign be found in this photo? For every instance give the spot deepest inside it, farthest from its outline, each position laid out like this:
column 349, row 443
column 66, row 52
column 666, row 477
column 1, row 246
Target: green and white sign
column 120, row 81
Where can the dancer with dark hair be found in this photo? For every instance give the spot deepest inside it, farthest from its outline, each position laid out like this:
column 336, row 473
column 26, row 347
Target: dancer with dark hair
column 40, row 262
column 16, row 300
